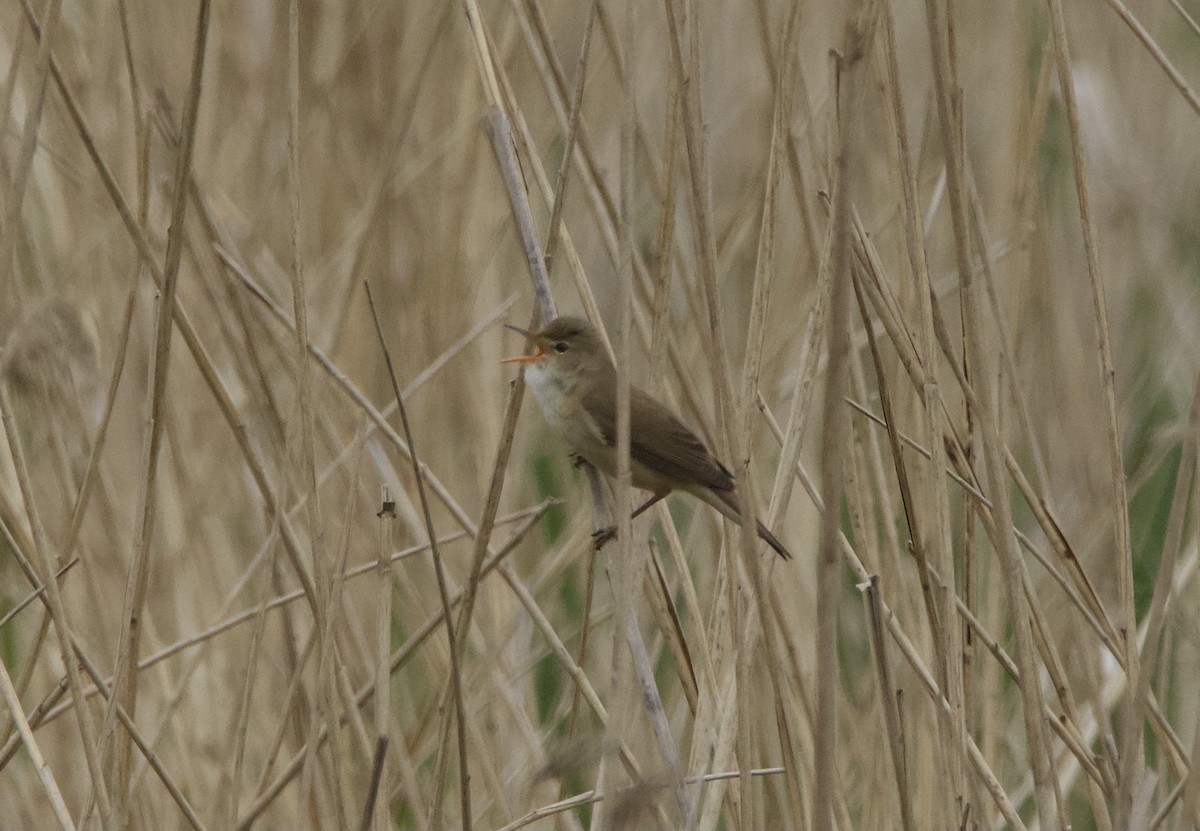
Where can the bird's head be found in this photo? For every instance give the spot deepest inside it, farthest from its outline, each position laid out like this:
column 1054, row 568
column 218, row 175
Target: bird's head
column 566, row 346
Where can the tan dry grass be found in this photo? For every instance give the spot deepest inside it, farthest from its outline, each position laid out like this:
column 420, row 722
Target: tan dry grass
column 254, row 702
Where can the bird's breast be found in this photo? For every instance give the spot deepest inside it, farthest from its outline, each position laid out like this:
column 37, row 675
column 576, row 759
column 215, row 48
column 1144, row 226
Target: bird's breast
column 561, row 405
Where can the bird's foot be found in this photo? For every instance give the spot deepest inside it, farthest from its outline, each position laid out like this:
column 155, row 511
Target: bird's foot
column 603, row 536
column 577, row 460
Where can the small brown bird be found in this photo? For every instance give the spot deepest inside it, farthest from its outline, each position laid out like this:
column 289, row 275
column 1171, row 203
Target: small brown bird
column 575, row 382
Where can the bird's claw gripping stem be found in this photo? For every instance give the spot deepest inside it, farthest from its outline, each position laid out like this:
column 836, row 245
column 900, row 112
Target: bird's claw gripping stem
column 603, row 536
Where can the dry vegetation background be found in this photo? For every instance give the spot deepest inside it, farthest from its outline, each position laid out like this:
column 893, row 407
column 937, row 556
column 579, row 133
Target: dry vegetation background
column 246, row 629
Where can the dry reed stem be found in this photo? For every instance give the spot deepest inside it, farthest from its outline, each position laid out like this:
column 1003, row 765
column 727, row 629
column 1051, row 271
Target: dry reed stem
column 949, row 117
column 242, row 711
column 665, row 242
column 125, row 686
column 98, row 441
column 377, row 773
column 1187, row 18
column 1131, row 753
column 764, row 265
column 57, row 612
column 545, row 301
column 316, row 539
column 502, row 144
column 8, row 88
column 1060, row 724
column 1156, row 52
column 564, row 168
column 90, row 668
column 891, row 709
column 704, row 244
column 189, row 813
column 553, row 232
column 623, row 573
column 700, row 200
column 44, row 774
column 332, row 652
column 938, row 538
column 456, row 510
column 550, row 70
column 487, row 522
column 632, row 559
column 751, row 373
column 836, row 437
column 29, row 140
column 1191, row 786
column 590, row 797
column 440, row 571
column 933, row 591
column 1153, row 623
column 383, row 634
column 916, row 543
column 135, row 587
column 38, row 591
column 1007, row 349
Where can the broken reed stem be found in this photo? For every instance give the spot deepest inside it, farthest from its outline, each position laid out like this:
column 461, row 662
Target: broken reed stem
column 887, row 698
column 383, row 646
column 835, row 446
column 443, row 591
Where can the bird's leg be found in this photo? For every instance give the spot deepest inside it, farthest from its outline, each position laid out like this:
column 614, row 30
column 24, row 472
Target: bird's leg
column 602, row 536
column 647, row 505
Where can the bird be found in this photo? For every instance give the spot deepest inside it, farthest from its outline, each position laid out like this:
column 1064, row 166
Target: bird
column 575, row 383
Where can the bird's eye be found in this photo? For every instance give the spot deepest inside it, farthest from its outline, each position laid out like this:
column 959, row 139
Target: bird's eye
column 561, row 347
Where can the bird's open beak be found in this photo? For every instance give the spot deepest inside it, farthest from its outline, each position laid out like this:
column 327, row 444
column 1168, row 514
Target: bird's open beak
column 524, row 359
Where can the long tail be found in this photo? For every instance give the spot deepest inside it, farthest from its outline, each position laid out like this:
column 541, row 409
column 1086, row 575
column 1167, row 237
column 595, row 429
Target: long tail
column 727, row 503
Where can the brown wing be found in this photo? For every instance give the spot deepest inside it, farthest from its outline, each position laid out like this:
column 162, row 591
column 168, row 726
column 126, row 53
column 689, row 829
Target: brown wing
column 660, row 441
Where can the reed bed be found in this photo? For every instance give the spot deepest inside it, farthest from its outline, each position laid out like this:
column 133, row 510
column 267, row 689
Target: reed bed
column 922, row 274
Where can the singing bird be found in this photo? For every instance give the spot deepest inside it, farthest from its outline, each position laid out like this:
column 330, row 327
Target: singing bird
column 575, row 383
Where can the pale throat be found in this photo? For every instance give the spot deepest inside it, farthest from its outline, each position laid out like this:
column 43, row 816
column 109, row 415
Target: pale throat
column 557, row 393
column 552, row 389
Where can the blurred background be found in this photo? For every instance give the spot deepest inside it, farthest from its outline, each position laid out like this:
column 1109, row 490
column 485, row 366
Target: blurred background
column 255, row 701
